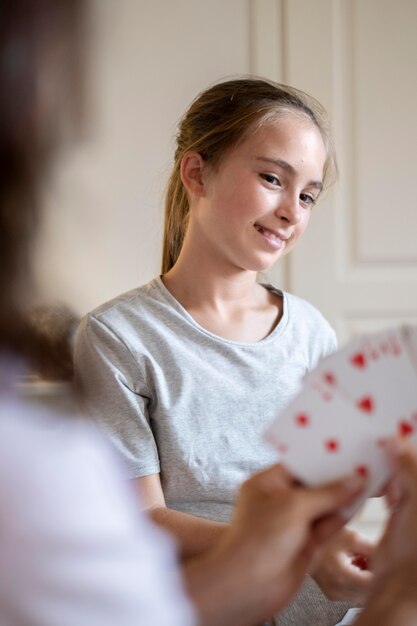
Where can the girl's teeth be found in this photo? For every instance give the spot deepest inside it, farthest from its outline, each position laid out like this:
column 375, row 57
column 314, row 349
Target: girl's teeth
column 266, row 232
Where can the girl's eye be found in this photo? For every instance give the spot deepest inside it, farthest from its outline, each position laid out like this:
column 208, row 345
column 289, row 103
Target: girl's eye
column 307, row 199
column 271, row 179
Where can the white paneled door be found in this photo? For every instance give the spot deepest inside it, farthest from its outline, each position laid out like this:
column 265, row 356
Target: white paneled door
column 358, row 260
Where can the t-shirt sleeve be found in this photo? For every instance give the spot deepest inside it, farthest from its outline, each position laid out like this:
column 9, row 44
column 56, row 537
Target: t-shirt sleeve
column 310, row 329
column 329, row 341
column 113, row 389
column 323, row 341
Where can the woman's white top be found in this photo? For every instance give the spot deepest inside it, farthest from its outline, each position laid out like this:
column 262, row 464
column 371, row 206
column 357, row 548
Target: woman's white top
column 74, row 548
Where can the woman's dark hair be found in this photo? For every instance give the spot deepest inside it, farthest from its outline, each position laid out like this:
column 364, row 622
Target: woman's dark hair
column 39, row 71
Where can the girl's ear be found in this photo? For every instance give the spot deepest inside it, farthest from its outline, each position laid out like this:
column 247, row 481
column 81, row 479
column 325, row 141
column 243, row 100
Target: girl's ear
column 192, row 173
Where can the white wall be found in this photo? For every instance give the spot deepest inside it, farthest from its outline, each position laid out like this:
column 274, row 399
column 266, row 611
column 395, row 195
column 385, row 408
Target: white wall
column 147, row 61
column 149, row 58
column 358, row 260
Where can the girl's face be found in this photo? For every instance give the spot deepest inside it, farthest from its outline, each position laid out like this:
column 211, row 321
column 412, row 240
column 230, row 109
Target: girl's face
column 257, row 202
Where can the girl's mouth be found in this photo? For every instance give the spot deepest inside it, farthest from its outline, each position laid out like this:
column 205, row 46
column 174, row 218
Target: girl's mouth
column 270, row 234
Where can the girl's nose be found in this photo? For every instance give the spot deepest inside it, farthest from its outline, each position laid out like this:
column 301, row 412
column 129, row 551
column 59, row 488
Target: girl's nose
column 289, row 209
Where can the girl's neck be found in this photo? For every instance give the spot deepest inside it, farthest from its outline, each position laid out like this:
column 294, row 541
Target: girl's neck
column 198, row 283
column 235, row 308
column 224, row 300
column 221, row 296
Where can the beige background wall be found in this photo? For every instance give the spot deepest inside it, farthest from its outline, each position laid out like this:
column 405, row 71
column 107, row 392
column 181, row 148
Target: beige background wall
column 148, row 59
column 358, row 262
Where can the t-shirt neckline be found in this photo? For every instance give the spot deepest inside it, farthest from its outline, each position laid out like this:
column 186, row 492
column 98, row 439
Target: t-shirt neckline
column 277, row 331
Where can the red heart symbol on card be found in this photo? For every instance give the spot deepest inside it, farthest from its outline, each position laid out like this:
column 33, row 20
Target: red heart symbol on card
column 302, row 419
column 331, row 445
column 396, row 348
column 405, row 428
column 327, row 396
column 366, row 404
column 329, row 378
column 358, row 360
column 385, row 348
column 362, row 470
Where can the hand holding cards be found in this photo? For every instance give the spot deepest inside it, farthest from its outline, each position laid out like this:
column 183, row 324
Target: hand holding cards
column 348, row 407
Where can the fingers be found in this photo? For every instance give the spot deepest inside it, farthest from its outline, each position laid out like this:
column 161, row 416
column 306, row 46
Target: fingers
column 359, row 579
column 363, row 551
column 394, row 492
column 404, row 462
column 313, row 503
column 362, row 545
column 336, row 574
column 272, row 479
column 328, row 499
column 323, row 499
column 358, row 582
column 326, row 527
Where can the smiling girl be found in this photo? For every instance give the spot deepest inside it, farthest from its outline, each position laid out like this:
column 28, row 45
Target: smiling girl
column 186, row 372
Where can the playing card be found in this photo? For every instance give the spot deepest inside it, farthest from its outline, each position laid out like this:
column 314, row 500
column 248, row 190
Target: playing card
column 322, row 437
column 348, row 406
column 410, row 337
column 377, row 375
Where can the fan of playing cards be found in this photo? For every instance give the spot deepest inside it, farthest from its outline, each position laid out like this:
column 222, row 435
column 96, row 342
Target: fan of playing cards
column 347, row 408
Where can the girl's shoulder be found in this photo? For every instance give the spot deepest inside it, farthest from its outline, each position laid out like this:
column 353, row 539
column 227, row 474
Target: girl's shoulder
column 130, row 299
column 145, row 310
column 303, row 318
column 297, row 305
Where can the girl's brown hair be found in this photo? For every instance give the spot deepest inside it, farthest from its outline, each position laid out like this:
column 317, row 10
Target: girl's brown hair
column 217, row 120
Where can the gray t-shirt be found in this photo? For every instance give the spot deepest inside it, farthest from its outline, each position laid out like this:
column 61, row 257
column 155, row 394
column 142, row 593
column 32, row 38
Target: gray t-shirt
column 179, row 400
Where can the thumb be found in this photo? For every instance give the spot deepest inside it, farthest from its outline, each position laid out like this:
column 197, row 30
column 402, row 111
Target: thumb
column 404, row 462
column 328, row 499
column 361, row 545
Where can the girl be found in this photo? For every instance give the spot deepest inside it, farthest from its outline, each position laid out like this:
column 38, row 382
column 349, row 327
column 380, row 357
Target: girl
column 73, row 548
column 186, row 372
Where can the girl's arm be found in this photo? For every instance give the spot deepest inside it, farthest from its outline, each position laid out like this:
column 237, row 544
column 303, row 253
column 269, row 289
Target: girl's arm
column 194, row 534
column 111, row 384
